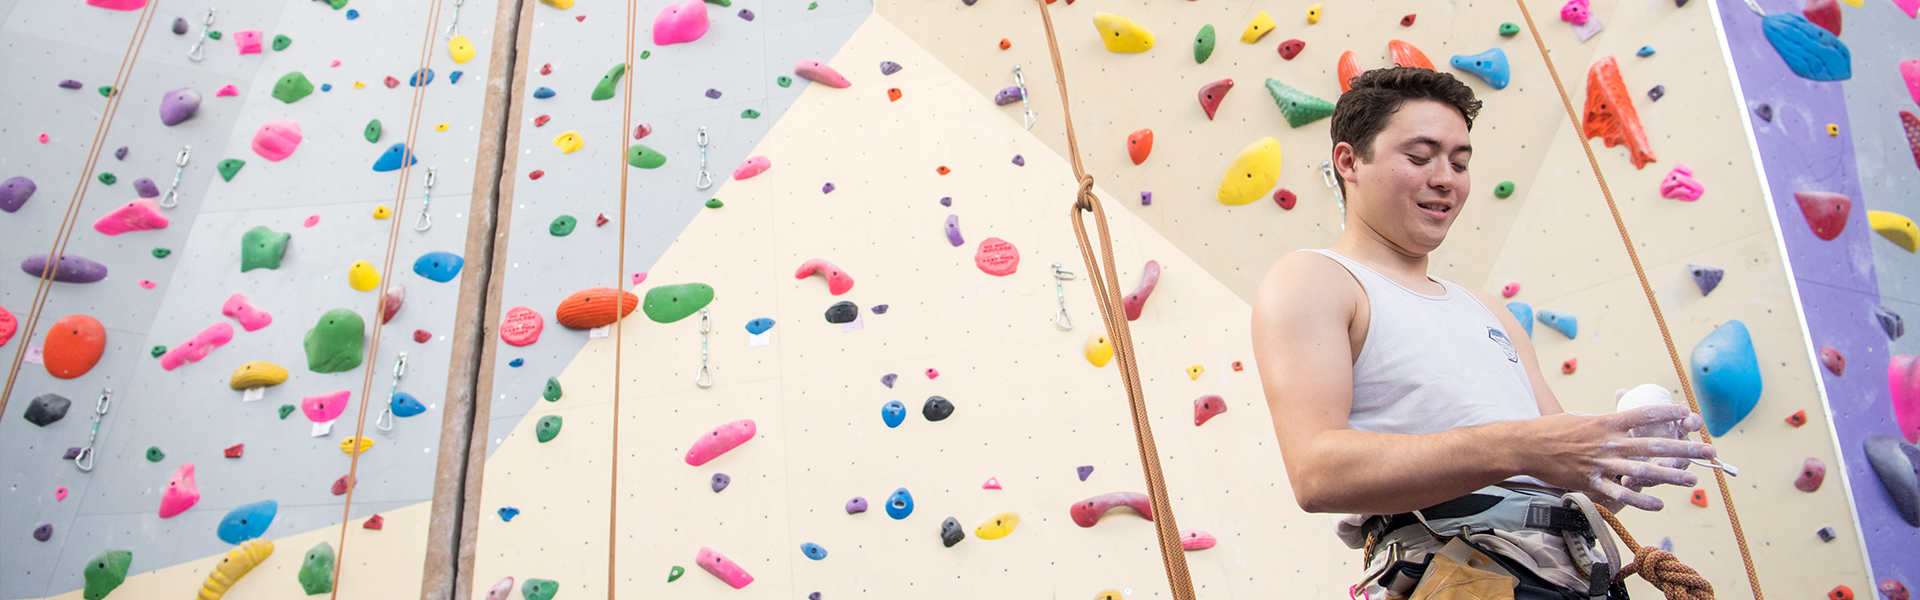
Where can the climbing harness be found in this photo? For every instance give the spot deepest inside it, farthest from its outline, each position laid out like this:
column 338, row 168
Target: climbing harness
column 706, row 373
column 199, row 49
column 705, row 179
column 172, row 197
column 426, row 221
column 1020, row 81
column 384, row 422
column 84, row 460
column 1060, row 276
column 453, row 29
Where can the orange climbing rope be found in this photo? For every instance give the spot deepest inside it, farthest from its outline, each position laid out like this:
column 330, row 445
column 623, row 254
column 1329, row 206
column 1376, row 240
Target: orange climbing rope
column 386, row 267
column 27, row 325
column 1106, row 287
column 619, row 309
column 1654, row 576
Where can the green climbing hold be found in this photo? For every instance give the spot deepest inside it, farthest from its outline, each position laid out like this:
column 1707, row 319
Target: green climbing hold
column 106, row 91
column 336, row 343
column 157, row 351
column 285, row 409
column 161, row 252
column 669, row 303
column 645, row 53
column 562, row 225
column 337, row 4
column 280, row 42
column 721, row 3
column 1299, row 107
column 749, row 114
column 292, row 87
column 643, row 157
column 373, row 131
column 155, row 455
column 539, row 589
column 605, row 89
column 108, row 178
column 262, row 248
column 674, row 573
column 553, row 392
column 1503, row 190
column 1508, row 29
column 813, row 5
column 715, row 203
column 548, row 428
column 1203, row 44
column 105, row 571
column 213, row 34
column 229, row 167
column 784, row 81
column 316, row 572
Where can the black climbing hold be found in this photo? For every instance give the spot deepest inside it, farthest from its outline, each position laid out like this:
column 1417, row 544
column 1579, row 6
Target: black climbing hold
column 720, row 481
column 1890, row 321
column 937, row 408
column 180, row 26
column 47, row 408
column 842, row 312
column 1897, row 464
column 43, row 532
column 950, row 532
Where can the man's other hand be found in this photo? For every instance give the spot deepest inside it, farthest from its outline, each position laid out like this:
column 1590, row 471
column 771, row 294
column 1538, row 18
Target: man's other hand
column 1593, row 453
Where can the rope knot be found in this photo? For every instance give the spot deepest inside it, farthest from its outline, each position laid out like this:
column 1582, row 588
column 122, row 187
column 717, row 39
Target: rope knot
column 1083, row 201
column 1665, row 572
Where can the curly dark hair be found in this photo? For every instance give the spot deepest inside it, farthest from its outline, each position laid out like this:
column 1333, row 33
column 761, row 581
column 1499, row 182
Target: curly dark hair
column 1375, row 95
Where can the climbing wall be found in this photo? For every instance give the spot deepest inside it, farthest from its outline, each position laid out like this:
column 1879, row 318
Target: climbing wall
column 294, row 105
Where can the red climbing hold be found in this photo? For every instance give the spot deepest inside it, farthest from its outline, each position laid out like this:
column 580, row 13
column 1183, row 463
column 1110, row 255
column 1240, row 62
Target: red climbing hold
column 1140, row 145
column 541, row 120
column 1137, row 301
column 73, row 345
column 392, row 83
column 375, row 523
column 235, row 450
column 1211, row 94
column 546, row 69
column 1285, row 198
column 1840, row 593
column 1405, row 55
column 641, row 130
column 341, row 485
column 1826, row 212
column 1406, row 21
column 1825, row 13
column 536, row 174
column 1610, row 114
column 1291, row 48
column 600, row 221
column 1567, row 368
column 1205, row 408
column 1912, row 125
column 1797, row 419
column 1832, row 359
column 421, row 336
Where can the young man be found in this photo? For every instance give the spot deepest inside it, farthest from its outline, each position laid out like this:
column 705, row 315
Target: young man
column 1393, row 391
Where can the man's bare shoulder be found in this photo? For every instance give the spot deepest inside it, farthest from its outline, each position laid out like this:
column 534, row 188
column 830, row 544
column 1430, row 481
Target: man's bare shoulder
column 1306, row 281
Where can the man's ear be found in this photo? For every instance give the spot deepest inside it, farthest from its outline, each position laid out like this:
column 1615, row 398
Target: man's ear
column 1345, row 161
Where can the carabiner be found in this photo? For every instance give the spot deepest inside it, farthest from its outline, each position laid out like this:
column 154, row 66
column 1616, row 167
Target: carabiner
column 1021, row 81
column 1061, row 319
column 705, row 179
column 172, row 197
column 454, row 28
column 199, row 49
column 425, row 221
column 399, row 368
column 706, row 372
column 384, row 421
column 84, row 460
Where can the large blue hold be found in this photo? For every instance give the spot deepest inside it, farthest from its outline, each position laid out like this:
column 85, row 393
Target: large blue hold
column 1523, row 313
column 247, row 521
column 1727, row 376
column 1559, row 321
column 390, row 160
column 1810, row 50
column 900, row 504
column 405, row 405
column 893, row 413
column 759, row 326
column 543, row 93
column 1489, row 66
column 438, row 266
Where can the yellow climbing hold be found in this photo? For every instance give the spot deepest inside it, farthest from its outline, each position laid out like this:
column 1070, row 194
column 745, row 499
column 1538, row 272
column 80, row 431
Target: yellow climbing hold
column 1313, row 14
column 441, row 127
column 998, row 527
column 1855, row 3
column 560, row 4
column 236, row 565
column 461, row 49
column 1252, row 173
column 382, row 212
column 1261, row 25
column 1833, row 130
column 355, row 445
column 1099, row 349
column 255, row 374
column 1896, row 227
column 359, row 84
column 1121, row 34
column 362, row 276
column 569, row 142
column 1109, row 595
column 1194, row 372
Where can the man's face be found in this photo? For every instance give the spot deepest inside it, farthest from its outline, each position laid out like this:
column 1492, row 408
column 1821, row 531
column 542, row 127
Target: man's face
column 1417, row 182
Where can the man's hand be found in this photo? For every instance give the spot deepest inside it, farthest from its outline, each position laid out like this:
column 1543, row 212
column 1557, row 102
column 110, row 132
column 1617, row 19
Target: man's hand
column 1591, row 453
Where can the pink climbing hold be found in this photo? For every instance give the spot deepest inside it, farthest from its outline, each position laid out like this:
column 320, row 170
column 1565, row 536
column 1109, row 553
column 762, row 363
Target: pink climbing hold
column 250, row 317
column 1680, row 185
column 820, row 73
column 993, row 483
column 276, row 140
column 181, row 493
column 44, row 139
column 1194, row 539
column 1087, row 512
column 997, row 257
column 753, row 166
column 1205, row 408
column 726, row 570
column 311, row 221
column 60, row 493
column 1576, row 12
column 1910, row 71
column 720, row 440
column 502, row 589
column 138, row 215
column 1833, row 360
column 838, row 281
column 248, row 40
column 8, row 325
column 639, row 276
column 1509, row 290
column 521, row 326
column 1137, row 301
column 680, row 23
column 1903, row 379
column 214, row 336
column 1812, row 473
column 119, row 4
column 1912, row 7
column 932, row 373
column 325, row 407
column 147, row 283
column 226, row 90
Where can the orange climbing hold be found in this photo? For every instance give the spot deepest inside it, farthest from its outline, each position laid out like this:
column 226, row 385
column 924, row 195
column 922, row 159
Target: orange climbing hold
column 1840, row 593
column 1004, row 44
column 593, row 307
column 1567, row 368
column 73, row 346
column 893, row 94
column 1139, row 145
column 943, row 170
column 1797, row 419
column 1405, row 55
column 1700, row 498
column 1610, row 114
column 1348, row 69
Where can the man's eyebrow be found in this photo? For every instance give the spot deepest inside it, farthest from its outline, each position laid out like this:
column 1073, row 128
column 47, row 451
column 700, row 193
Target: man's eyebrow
column 1427, row 141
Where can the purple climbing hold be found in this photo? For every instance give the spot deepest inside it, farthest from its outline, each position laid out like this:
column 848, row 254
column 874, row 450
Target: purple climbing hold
column 1706, row 278
column 969, row 2
column 946, row 201
column 816, row 595
column 879, row 309
column 888, row 379
column 953, row 230
column 120, row 154
column 15, row 192
column 1890, row 322
column 713, row 93
column 720, row 482
column 856, row 505
column 179, row 105
column 1008, row 95
column 1084, row 471
column 1146, row 198
column 888, row 67
column 1019, row 160
column 70, row 84
column 69, row 269
column 827, row 189
column 73, row 452
column 145, row 188
column 746, row 14
column 179, row 25
column 1765, row 111
column 1657, row 92
column 43, row 532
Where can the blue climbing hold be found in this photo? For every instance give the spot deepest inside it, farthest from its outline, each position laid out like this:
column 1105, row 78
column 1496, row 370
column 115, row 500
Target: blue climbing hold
column 1524, row 313
column 247, row 521
column 1727, row 375
column 326, row 87
column 507, row 513
column 438, row 266
column 454, row 77
column 1810, row 50
column 544, row 92
column 900, row 504
column 405, row 405
column 352, row 14
column 1489, row 66
column 1644, row 51
column 420, row 78
column 390, row 160
column 893, row 413
column 813, row 551
column 759, row 326
column 515, row 363
column 1559, row 321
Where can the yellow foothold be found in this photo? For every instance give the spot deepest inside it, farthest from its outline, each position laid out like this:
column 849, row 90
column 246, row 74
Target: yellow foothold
column 236, row 565
column 1121, row 34
column 569, row 142
column 1313, row 14
column 1252, row 173
column 1896, row 227
column 1262, row 23
column 442, row 126
column 1855, row 3
column 257, row 374
column 1099, row 349
column 1109, row 595
column 382, row 212
column 560, row 4
column 1194, row 372
column 359, row 84
column 355, row 445
column 461, row 49
column 1833, row 130
column 998, row 527
column 362, row 276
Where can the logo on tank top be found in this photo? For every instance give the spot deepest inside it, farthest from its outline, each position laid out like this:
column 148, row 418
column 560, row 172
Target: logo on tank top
column 1505, row 344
